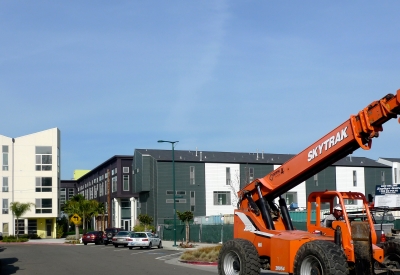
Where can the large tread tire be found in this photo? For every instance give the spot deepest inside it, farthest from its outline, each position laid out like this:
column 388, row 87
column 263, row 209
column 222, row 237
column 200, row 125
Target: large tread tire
column 320, row 257
column 238, row 257
column 160, row 245
column 391, row 250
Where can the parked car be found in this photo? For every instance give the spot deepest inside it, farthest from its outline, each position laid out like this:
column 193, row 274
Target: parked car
column 122, row 238
column 95, row 237
column 144, row 239
column 109, row 234
column 1, row 236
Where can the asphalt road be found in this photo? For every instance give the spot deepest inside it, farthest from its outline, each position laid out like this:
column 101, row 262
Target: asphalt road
column 25, row 259
column 46, row 259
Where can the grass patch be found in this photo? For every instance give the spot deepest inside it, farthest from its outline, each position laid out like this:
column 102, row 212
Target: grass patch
column 204, row 254
column 13, row 239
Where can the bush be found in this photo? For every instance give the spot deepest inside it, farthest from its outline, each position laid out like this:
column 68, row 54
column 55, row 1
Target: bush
column 140, row 228
column 204, row 254
column 72, row 237
column 13, row 239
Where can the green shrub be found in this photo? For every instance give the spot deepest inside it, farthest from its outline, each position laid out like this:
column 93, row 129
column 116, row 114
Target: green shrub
column 204, row 254
column 140, row 228
column 13, row 239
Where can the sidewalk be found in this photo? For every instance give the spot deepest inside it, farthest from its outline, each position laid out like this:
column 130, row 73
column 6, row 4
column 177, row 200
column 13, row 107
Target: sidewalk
column 168, row 245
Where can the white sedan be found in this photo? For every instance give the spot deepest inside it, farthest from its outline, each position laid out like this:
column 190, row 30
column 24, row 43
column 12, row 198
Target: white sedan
column 144, row 239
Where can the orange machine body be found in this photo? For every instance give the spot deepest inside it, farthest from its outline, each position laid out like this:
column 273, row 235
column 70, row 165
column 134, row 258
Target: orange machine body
column 271, row 231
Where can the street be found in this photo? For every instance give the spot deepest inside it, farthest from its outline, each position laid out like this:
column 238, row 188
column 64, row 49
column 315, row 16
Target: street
column 24, row 259
column 50, row 259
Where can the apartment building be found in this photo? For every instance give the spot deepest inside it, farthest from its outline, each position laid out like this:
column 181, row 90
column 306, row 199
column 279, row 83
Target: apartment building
column 31, row 174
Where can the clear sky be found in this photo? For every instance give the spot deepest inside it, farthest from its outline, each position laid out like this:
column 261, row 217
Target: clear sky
column 235, row 76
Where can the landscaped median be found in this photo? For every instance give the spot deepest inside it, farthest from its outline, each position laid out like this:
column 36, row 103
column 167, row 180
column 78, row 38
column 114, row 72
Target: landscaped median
column 203, row 256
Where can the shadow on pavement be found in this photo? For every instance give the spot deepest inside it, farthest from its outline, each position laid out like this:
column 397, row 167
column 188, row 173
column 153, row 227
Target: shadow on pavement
column 7, row 267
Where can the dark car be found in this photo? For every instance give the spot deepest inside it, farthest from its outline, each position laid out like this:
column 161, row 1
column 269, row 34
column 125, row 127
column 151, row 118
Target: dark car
column 109, row 234
column 95, row 237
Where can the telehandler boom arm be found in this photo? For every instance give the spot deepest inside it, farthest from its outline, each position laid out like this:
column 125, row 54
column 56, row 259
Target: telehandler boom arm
column 354, row 133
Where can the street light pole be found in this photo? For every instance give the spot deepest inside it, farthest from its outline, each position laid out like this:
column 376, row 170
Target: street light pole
column 173, row 182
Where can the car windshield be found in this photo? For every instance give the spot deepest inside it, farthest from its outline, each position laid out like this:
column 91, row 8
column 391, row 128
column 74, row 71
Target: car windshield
column 123, row 233
column 92, row 232
column 139, row 235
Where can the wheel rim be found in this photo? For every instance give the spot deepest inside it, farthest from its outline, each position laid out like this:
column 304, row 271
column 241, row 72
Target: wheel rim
column 231, row 263
column 311, row 266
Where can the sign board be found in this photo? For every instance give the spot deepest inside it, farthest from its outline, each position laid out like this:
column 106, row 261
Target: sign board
column 76, row 219
column 387, row 195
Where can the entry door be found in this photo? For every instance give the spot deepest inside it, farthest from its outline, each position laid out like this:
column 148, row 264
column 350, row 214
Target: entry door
column 48, row 230
column 127, row 225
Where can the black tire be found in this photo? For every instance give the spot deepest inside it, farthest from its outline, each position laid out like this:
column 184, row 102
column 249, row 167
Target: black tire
column 130, row 247
column 105, row 243
column 141, row 247
column 320, row 257
column 238, row 257
column 125, row 245
column 150, row 245
column 391, row 250
column 160, row 245
column 115, row 245
column 85, row 243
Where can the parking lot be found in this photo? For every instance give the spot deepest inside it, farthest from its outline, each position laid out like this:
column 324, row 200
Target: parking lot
column 50, row 259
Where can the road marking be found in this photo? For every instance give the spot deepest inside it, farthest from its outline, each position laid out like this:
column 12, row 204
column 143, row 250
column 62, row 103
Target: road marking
column 160, row 258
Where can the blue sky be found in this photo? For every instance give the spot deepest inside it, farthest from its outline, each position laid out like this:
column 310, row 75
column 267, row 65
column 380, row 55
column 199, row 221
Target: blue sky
column 236, row 76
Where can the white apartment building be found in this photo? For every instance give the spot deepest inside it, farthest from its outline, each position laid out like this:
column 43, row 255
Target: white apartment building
column 30, row 173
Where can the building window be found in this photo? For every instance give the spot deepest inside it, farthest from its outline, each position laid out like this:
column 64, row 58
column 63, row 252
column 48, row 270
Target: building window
column 44, row 206
column 169, row 192
column 5, row 157
column 5, row 206
column 126, row 182
column 251, row 173
column 101, row 189
column 316, row 179
column 32, row 226
column 354, row 178
column 5, row 184
column 114, row 184
column 192, row 200
column 228, row 176
column 395, row 175
column 125, row 170
column 43, row 158
column 176, row 200
column 43, row 184
column 192, row 181
column 349, row 202
column 19, row 226
column 222, row 198
column 71, row 192
column 383, row 177
column 63, row 196
column 181, row 192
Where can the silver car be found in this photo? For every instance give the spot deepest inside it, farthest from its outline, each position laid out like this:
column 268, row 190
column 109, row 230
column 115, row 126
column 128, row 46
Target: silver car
column 122, row 238
column 144, row 239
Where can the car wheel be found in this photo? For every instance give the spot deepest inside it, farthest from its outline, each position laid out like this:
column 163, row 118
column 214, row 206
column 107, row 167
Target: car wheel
column 125, row 245
column 115, row 245
column 141, row 247
column 160, row 244
column 85, row 243
column 130, row 247
column 105, row 243
column 150, row 245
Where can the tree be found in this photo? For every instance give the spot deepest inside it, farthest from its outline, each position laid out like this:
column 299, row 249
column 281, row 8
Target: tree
column 101, row 210
column 145, row 219
column 235, row 187
column 19, row 209
column 185, row 217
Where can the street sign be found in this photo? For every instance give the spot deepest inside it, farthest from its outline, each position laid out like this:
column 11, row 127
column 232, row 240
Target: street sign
column 76, row 219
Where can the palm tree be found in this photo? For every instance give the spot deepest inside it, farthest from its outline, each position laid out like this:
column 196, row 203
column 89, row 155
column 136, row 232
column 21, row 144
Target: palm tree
column 73, row 206
column 19, row 209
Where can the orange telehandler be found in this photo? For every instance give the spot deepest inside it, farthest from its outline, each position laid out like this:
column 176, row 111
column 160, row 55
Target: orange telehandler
column 264, row 236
